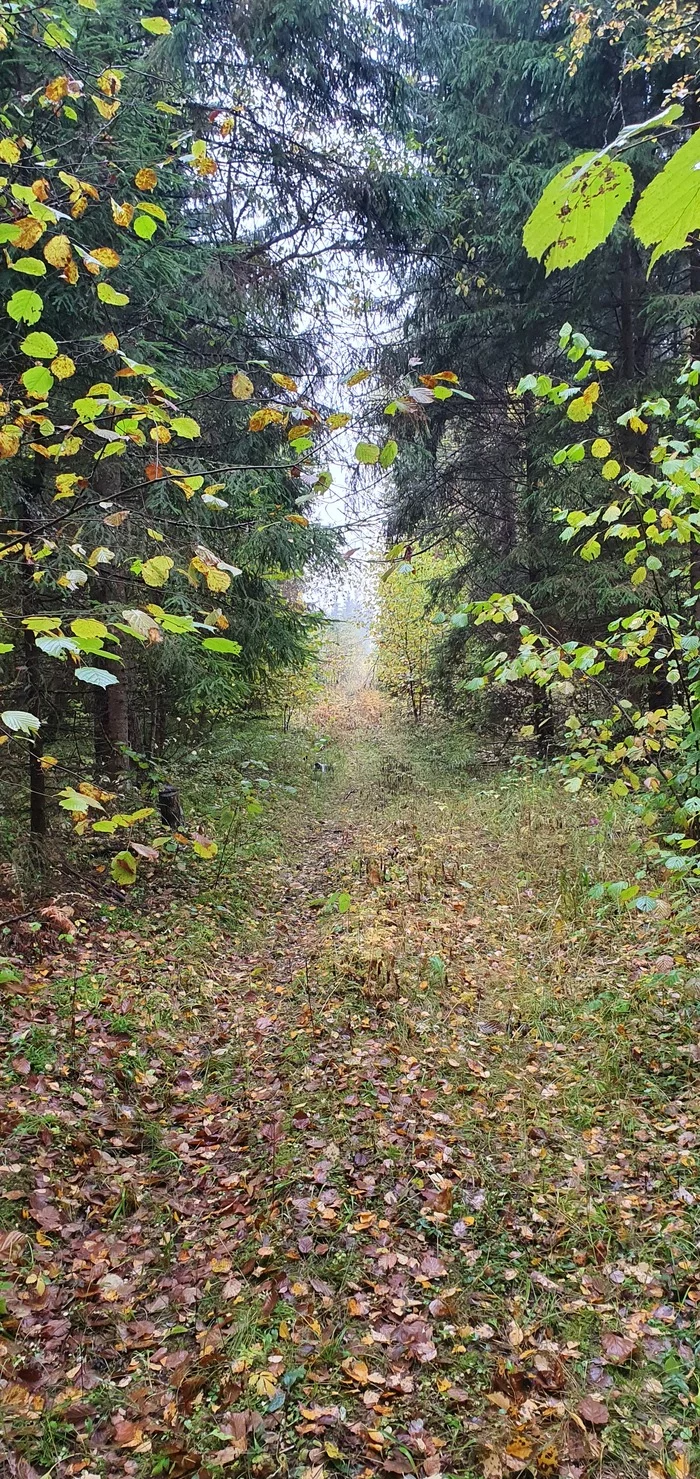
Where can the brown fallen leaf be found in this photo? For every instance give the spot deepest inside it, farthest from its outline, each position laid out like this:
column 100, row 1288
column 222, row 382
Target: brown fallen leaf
column 357, row 1370
column 594, row 1412
column 126, row 1433
column 44, row 1213
column 617, row 1348
column 20, row 1468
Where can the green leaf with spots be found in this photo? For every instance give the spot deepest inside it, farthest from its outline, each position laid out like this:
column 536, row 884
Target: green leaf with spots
column 578, row 210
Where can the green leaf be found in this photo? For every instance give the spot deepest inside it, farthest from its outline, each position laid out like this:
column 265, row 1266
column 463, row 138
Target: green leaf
column 669, row 209
column 39, row 345
column 578, row 210
column 99, row 677
column 367, row 452
column 33, row 266
column 107, row 294
column 221, row 644
column 20, row 722
column 123, row 869
column 177, row 624
column 88, row 408
column 25, row 306
column 37, row 380
column 145, row 227
column 85, row 627
column 185, row 426
column 78, row 801
column 156, row 25
column 56, row 646
column 631, row 131
column 388, row 454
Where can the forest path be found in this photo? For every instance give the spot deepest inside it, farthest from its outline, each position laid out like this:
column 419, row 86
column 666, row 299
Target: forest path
column 404, row 1181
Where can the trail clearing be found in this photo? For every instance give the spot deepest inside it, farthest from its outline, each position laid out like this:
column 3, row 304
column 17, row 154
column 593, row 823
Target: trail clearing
column 398, row 1177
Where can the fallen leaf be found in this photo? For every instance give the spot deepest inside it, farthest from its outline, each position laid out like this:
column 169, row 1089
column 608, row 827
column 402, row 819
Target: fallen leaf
column 594, row 1412
column 617, row 1348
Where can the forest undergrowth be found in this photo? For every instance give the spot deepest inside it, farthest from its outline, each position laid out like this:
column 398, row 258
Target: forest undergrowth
column 380, row 1158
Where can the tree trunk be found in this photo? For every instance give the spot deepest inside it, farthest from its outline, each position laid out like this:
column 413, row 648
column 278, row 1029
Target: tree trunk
column 111, row 705
column 29, row 509
column 159, row 729
column 627, row 336
column 37, row 778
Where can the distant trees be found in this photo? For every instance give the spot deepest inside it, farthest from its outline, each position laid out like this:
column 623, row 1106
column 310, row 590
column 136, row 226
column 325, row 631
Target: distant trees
column 406, row 635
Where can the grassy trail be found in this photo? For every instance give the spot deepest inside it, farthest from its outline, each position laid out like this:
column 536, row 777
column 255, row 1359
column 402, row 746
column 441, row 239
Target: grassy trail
column 400, row 1178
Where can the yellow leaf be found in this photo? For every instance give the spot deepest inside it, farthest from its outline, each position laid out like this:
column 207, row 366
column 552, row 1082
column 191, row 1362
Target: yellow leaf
column 62, row 367
column 600, row 448
column 160, row 434
column 9, row 153
column 358, row 377
column 635, row 423
column 610, row 470
column 285, row 381
column 110, row 81
column 338, row 419
column 263, row 1384
column 265, row 417
column 581, row 408
column 105, row 110
column 101, row 555
column 221, row 1265
column 58, row 251
column 146, row 179
column 106, row 256
column 56, row 89
column 155, row 571
column 298, row 519
column 154, row 534
column 122, row 215
column 242, row 386
column 27, row 232
column 70, row 273
column 432, row 380
column 217, row 580
column 110, row 342
column 9, row 442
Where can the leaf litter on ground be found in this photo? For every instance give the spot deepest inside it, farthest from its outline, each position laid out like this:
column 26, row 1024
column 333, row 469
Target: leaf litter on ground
column 409, row 1188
